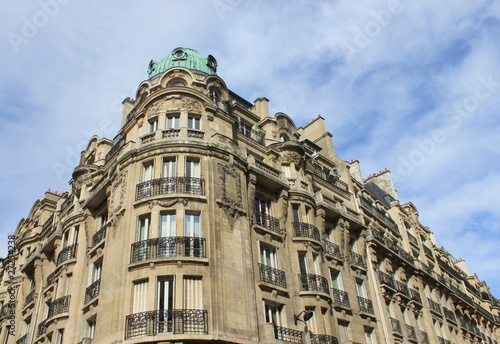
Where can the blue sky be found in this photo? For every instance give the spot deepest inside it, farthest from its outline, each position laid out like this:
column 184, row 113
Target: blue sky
column 412, row 86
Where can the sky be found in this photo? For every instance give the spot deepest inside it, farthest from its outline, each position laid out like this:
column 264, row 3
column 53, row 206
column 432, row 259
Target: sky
column 408, row 85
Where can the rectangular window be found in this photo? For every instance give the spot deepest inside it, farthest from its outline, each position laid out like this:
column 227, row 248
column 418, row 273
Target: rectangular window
column 336, row 279
column 192, row 226
column 168, row 225
column 303, row 263
column 194, row 122
column 147, row 171
column 173, row 121
column 69, row 280
column 153, row 125
column 95, row 273
column 272, row 312
column 344, row 332
column 268, row 256
column 193, row 167
column 143, row 228
column 246, row 129
column 370, row 338
column 90, row 328
column 286, row 171
column 262, row 206
column 169, row 167
column 59, row 336
column 140, row 296
column 296, row 212
column 360, row 288
column 165, row 303
column 193, row 297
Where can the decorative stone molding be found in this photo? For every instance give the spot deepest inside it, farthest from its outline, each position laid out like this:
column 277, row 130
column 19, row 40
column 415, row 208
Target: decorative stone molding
column 167, row 203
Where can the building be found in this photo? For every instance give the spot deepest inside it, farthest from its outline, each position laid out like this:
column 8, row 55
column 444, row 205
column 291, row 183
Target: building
column 207, row 219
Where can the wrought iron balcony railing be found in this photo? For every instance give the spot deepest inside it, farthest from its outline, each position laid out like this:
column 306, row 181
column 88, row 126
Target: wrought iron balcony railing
column 415, row 296
column 402, row 288
column 386, row 279
column 58, row 306
column 365, row 305
column 323, row 339
column 41, row 329
column 389, row 244
column 67, row 253
column 356, row 259
column 425, row 337
column 267, row 221
column 176, row 321
column 99, row 235
column 170, row 185
column 50, row 279
column 92, row 291
column 306, row 230
column 168, row 247
column 396, row 326
column 412, row 239
column 116, row 148
column 341, row 298
column 272, row 276
column 310, row 282
column 428, row 251
column 23, row 339
column 440, row 340
column 30, row 297
column 410, row 331
column 434, row 306
column 449, row 315
column 287, row 334
column 332, row 249
column 330, row 178
column 256, row 135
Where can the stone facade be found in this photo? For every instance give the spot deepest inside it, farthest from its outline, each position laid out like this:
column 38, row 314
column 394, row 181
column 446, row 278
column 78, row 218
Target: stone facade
column 208, row 220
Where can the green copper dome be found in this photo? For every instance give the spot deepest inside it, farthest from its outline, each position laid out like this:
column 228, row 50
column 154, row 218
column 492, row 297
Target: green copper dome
column 183, row 57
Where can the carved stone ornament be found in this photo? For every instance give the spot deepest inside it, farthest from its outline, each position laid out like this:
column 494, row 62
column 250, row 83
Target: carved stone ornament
column 155, row 109
column 290, row 157
column 118, row 190
column 230, row 192
column 191, row 105
column 168, row 203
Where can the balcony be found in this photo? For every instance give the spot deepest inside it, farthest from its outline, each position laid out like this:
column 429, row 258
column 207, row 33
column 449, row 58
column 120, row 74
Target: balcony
column 386, row 280
column 341, row 298
column 323, row 339
column 396, row 326
column 67, row 253
column 332, row 249
column 388, row 244
column 272, row 276
column 415, row 296
column 425, row 337
column 331, row 179
column 59, row 306
column 305, row 230
column 168, row 247
column 365, row 305
column 287, row 334
column 92, row 291
column 41, row 329
column 315, row 283
column 169, row 186
column 449, row 315
column 117, row 146
column 30, row 297
column 256, row 135
column 267, row 221
column 412, row 239
column 169, row 133
column 402, row 289
column 196, row 134
column 50, row 279
column 356, row 259
column 428, row 251
column 175, row 321
column 23, row 339
column 99, row 235
column 411, row 333
column 434, row 307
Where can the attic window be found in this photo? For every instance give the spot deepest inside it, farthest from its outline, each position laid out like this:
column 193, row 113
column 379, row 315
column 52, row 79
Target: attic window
column 179, row 53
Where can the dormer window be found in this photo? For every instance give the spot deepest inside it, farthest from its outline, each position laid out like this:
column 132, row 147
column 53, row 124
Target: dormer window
column 177, row 82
